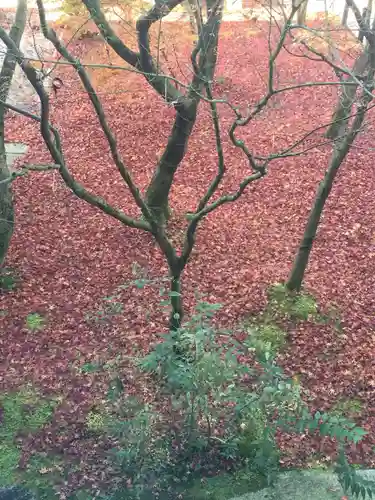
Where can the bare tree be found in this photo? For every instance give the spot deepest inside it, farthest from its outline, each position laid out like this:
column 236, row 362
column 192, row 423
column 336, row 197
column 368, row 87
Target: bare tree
column 344, row 131
column 186, row 104
column 153, row 205
column 6, row 76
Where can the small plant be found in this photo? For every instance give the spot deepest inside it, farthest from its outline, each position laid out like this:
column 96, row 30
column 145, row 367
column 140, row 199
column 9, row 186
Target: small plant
column 220, row 80
column 112, row 305
column 216, row 410
column 35, row 322
column 91, row 367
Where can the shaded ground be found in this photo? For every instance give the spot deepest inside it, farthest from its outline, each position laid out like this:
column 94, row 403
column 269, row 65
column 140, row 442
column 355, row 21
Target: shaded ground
column 70, row 256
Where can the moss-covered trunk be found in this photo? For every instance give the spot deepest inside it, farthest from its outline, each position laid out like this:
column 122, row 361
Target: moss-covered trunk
column 6, row 202
column 6, row 76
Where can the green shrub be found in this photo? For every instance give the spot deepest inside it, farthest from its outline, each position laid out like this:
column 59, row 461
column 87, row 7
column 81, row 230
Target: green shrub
column 211, row 412
column 217, row 417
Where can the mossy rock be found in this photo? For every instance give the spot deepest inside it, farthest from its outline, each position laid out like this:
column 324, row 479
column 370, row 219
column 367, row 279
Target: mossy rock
column 225, row 486
column 15, row 493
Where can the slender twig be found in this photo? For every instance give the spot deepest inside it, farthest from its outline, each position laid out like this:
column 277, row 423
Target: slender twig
column 51, row 35
column 26, row 169
column 54, row 146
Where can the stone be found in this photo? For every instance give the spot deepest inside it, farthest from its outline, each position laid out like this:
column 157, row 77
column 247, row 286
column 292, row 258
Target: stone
column 305, row 485
column 13, row 151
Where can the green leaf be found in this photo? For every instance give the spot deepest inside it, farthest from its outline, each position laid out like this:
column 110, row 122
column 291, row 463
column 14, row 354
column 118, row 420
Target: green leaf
column 140, row 283
column 363, row 492
column 174, row 294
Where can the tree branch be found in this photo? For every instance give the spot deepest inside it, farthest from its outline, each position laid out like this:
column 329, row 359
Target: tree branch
column 53, row 145
column 51, row 35
column 362, row 23
column 9, row 63
column 159, row 82
column 26, row 169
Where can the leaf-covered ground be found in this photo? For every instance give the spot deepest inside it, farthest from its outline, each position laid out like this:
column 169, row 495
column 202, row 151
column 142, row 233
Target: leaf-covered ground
column 70, row 256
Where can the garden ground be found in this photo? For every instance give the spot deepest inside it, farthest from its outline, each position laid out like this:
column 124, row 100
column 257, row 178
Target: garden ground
column 70, row 257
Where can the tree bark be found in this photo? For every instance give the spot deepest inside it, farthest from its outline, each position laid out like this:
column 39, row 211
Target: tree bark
column 301, row 260
column 158, row 191
column 6, row 76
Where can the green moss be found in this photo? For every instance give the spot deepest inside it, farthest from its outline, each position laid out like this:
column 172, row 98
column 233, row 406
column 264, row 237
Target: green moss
column 9, row 458
column 9, row 279
column 350, row 408
column 226, row 486
column 23, row 411
column 266, row 337
column 304, row 307
column 283, row 303
column 34, row 322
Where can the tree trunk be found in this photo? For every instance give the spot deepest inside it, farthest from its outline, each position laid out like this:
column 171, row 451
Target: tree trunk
column 347, row 99
column 186, row 112
column 193, row 9
column 177, row 312
column 345, row 14
column 301, row 260
column 6, row 76
column 302, row 13
column 361, row 33
column 158, row 191
column 6, row 203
